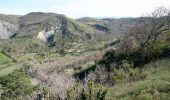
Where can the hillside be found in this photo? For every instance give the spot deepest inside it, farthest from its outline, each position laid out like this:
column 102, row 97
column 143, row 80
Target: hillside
column 32, row 23
column 36, row 22
column 156, row 85
column 8, row 25
column 110, row 25
column 51, row 30
column 48, row 56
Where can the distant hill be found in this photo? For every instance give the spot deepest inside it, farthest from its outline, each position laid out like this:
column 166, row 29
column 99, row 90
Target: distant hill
column 110, row 25
column 36, row 28
column 33, row 23
column 81, row 29
column 9, row 18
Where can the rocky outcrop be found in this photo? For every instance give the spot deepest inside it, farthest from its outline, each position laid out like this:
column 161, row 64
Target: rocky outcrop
column 7, row 29
column 44, row 35
column 47, row 34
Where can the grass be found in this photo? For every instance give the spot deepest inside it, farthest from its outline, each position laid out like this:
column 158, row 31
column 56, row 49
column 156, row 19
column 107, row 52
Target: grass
column 7, row 70
column 4, row 59
column 6, row 65
column 155, row 87
column 26, row 58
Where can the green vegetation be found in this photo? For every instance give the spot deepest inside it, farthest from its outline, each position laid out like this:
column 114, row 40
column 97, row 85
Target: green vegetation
column 7, row 64
column 156, row 85
column 7, row 69
column 139, row 68
column 148, row 83
column 83, row 61
column 4, row 59
column 91, row 92
column 16, row 85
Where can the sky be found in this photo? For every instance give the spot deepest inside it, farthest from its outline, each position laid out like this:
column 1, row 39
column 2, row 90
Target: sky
column 84, row 8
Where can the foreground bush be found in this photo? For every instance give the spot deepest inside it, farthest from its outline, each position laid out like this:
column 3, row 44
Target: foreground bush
column 16, row 85
column 90, row 92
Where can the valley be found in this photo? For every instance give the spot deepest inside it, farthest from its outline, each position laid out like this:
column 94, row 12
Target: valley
column 48, row 56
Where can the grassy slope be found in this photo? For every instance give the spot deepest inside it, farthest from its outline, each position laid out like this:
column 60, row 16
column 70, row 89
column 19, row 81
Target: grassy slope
column 8, row 69
column 6, row 65
column 4, row 59
column 155, row 87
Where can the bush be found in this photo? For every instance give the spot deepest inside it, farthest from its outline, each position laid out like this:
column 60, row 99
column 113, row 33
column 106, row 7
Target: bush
column 16, row 84
column 90, row 92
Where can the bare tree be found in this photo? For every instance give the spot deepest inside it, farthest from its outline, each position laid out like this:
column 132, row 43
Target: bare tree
column 149, row 28
column 52, row 83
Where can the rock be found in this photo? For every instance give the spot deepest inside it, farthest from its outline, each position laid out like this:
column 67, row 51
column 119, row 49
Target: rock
column 7, row 29
column 71, row 51
column 44, row 35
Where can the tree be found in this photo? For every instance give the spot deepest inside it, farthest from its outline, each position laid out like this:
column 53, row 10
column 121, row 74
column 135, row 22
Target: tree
column 147, row 35
column 149, row 28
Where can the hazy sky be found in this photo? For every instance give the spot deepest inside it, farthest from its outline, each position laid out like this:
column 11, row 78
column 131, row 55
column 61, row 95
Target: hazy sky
column 83, row 8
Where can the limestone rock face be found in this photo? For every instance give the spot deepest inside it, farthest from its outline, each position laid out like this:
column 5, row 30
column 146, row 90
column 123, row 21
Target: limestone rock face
column 48, row 33
column 44, row 35
column 7, row 29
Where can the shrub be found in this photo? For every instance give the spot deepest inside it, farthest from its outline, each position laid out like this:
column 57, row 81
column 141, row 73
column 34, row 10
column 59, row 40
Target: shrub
column 90, row 92
column 16, row 84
